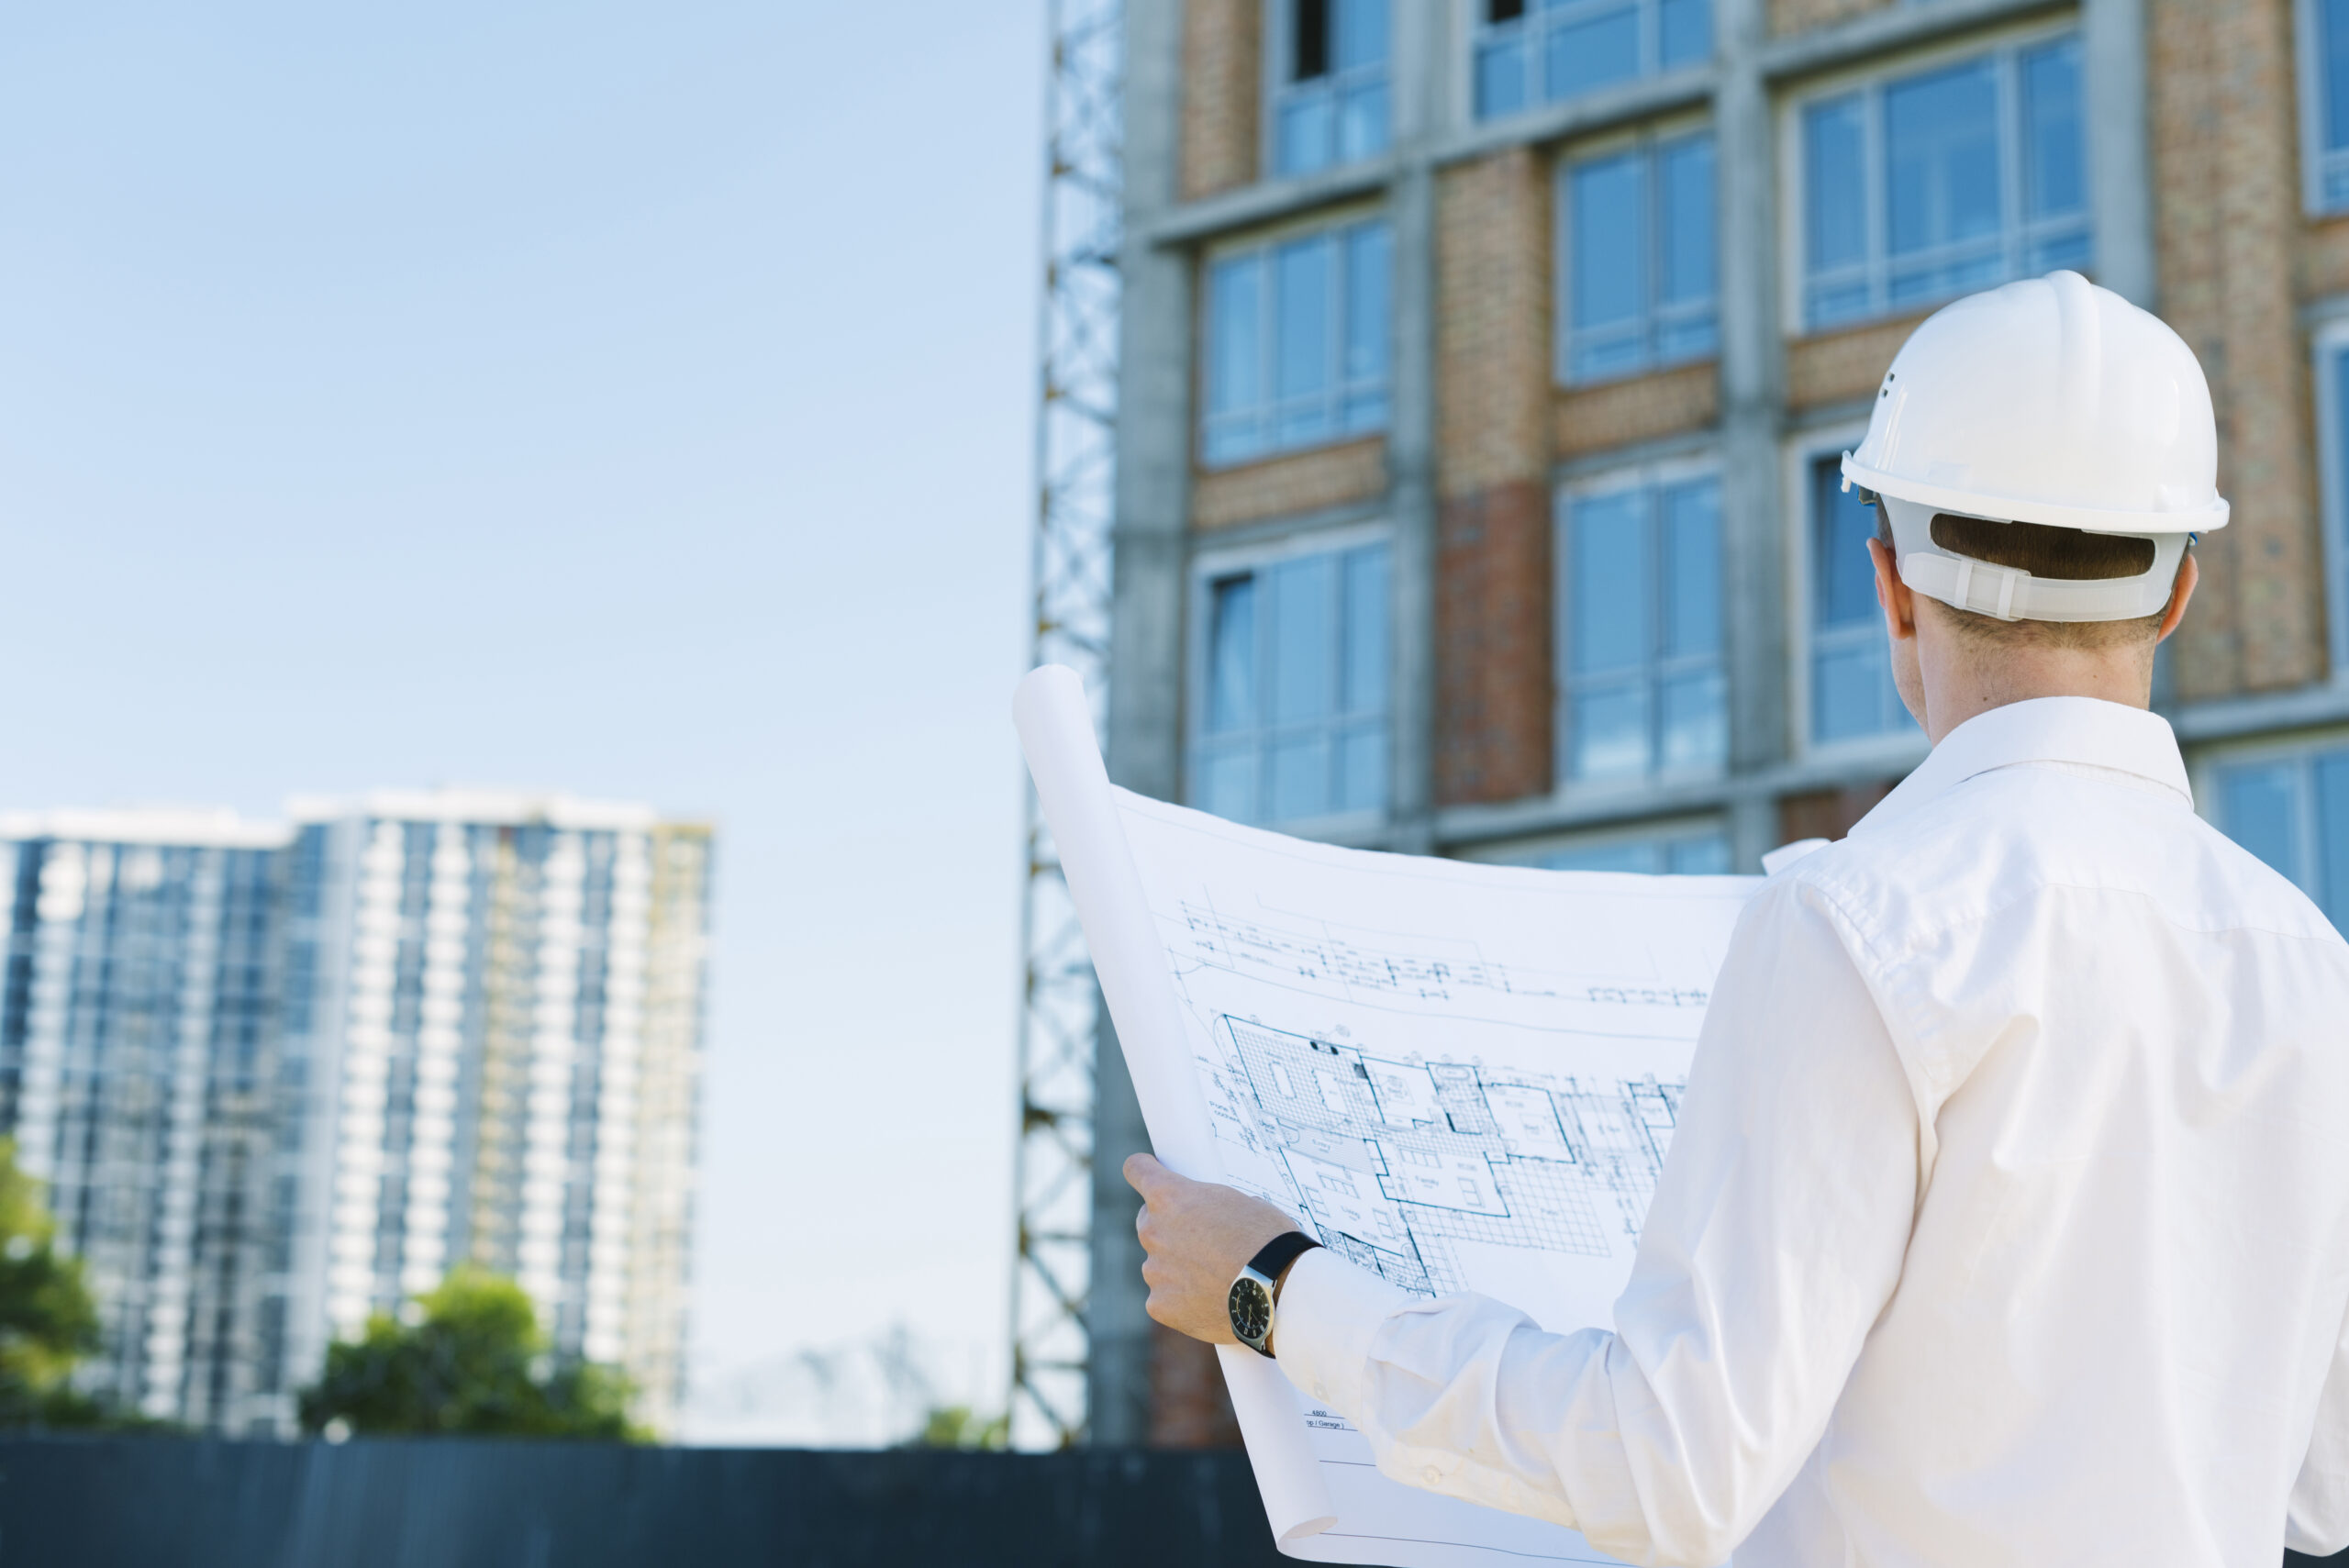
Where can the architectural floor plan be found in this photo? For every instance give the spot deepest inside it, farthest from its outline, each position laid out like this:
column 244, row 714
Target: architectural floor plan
column 1394, row 1163
column 1463, row 1076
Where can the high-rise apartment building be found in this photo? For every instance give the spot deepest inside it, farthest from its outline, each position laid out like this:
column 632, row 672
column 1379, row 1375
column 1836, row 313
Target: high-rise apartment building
column 138, row 1018
column 489, row 1055
column 279, row 1078
column 1486, row 368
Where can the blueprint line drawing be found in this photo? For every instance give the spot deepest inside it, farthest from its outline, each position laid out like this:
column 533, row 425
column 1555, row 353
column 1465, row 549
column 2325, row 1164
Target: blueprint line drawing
column 1400, row 969
column 1389, row 1162
column 1464, row 1077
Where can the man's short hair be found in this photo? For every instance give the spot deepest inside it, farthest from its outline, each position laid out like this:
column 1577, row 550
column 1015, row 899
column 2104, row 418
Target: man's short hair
column 2066, row 553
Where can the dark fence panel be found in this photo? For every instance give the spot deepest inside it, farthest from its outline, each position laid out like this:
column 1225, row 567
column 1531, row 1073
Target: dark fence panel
column 456, row 1503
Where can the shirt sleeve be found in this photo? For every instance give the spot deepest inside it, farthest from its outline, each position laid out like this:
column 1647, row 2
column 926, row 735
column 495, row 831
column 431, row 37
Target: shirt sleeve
column 1774, row 1240
column 2316, row 1521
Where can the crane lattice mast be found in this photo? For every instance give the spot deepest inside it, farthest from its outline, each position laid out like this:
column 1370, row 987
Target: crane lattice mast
column 1075, row 467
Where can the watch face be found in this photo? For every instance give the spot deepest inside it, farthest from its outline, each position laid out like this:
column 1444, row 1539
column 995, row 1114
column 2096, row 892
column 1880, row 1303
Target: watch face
column 1251, row 1308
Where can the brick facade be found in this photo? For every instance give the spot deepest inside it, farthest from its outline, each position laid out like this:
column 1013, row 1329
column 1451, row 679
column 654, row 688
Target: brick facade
column 1493, row 683
column 1189, row 1407
column 1828, row 813
column 1282, row 487
column 2324, row 259
column 2228, row 230
column 1222, row 92
column 1802, row 16
column 1495, row 689
column 1843, row 367
column 1645, row 408
column 1493, row 333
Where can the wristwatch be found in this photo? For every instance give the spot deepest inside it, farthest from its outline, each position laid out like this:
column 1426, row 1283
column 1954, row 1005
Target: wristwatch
column 1258, row 1288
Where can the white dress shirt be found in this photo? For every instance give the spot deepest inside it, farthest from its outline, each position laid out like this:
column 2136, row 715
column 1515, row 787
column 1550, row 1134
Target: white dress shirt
column 2007, row 1221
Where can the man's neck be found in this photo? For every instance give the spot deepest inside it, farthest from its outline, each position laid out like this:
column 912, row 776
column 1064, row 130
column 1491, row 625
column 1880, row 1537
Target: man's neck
column 1963, row 681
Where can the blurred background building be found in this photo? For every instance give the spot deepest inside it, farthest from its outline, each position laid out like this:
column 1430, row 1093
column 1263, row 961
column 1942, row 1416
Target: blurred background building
column 281, row 1078
column 138, row 1028
column 490, row 1046
column 1485, row 368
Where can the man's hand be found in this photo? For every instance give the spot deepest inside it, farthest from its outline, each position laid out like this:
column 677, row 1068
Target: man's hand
column 1197, row 1237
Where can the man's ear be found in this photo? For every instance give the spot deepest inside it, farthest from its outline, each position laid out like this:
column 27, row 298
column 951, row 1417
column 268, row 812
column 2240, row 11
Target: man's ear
column 1898, row 604
column 2189, row 573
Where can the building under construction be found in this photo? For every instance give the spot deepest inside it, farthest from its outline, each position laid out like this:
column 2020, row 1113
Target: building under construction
column 1484, row 370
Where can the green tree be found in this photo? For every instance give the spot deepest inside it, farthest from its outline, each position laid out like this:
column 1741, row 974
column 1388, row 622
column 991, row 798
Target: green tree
column 48, row 1321
column 957, row 1426
column 475, row 1362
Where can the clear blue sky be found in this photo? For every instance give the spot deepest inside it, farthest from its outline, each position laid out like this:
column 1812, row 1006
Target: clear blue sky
column 627, row 398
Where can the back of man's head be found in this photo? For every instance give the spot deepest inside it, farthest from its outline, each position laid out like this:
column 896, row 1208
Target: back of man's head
column 2042, row 456
column 2060, row 554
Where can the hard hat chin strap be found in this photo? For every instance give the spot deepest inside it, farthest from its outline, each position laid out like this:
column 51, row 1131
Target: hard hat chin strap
column 2010, row 593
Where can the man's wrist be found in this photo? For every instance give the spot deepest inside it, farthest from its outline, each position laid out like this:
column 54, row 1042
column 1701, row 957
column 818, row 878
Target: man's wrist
column 1255, row 1289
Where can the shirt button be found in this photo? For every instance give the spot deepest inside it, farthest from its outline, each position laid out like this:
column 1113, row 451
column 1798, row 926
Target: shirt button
column 1430, row 1475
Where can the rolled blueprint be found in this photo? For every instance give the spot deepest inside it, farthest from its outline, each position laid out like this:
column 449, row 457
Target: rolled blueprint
column 1055, row 727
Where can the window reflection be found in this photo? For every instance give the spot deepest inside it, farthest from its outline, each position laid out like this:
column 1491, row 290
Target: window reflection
column 1643, row 686
column 1292, row 717
column 1927, row 186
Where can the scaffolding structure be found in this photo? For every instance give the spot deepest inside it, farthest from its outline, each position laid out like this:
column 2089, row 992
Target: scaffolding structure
column 1075, row 469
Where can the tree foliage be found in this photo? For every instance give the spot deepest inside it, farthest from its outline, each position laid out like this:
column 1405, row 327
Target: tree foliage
column 48, row 1321
column 958, row 1426
column 475, row 1362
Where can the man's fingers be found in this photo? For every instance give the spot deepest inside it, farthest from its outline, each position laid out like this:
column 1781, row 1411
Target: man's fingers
column 1144, row 1174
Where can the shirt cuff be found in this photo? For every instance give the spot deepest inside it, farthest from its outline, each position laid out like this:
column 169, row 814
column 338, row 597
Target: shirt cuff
column 1321, row 1331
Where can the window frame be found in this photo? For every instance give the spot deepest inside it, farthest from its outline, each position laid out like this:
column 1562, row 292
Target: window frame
column 1654, row 475
column 1277, row 44
column 1262, row 243
column 1661, row 831
column 2301, row 749
column 1201, row 572
column 1647, row 144
column 2307, row 54
column 2005, row 46
column 1474, row 30
column 2329, row 351
column 1895, row 748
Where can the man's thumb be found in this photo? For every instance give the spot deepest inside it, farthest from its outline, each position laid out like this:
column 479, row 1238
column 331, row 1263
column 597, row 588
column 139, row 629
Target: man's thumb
column 1143, row 1172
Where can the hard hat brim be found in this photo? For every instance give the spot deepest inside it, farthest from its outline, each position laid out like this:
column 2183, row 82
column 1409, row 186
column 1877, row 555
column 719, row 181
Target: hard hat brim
column 2053, row 514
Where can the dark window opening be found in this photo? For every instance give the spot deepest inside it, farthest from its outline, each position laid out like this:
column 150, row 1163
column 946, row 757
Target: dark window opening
column 1503, row 10
column 1310, row 57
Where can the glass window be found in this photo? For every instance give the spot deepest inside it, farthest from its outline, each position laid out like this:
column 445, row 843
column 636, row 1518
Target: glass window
column 1852, row 693
column 1330, row 105
column 1535, row 51
column 2333, row 374
column 1292, row 719
column 1638, row 254
column 1644, row 688
column 1701, row 853
column 2293, row 813
column 1926, row 186
column 1298, row 343
column 2326, row 34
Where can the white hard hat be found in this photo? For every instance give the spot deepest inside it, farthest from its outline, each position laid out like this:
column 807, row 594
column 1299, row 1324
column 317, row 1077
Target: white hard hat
column 2048, row 401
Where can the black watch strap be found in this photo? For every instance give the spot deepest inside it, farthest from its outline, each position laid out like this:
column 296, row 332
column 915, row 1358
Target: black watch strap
column 1280, row 1252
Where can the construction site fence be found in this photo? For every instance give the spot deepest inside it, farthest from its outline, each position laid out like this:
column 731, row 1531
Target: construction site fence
column 155, row 1502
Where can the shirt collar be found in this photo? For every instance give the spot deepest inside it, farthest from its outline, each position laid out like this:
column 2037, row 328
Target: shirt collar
column 2083, row 731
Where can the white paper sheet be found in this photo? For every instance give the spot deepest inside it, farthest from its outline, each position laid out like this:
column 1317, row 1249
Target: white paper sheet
column 1463, row 1076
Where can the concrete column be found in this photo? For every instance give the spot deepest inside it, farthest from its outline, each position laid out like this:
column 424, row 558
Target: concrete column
column 2113, row 42
column 1411, row 446
column 1145, row 741
column 1753, row 373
